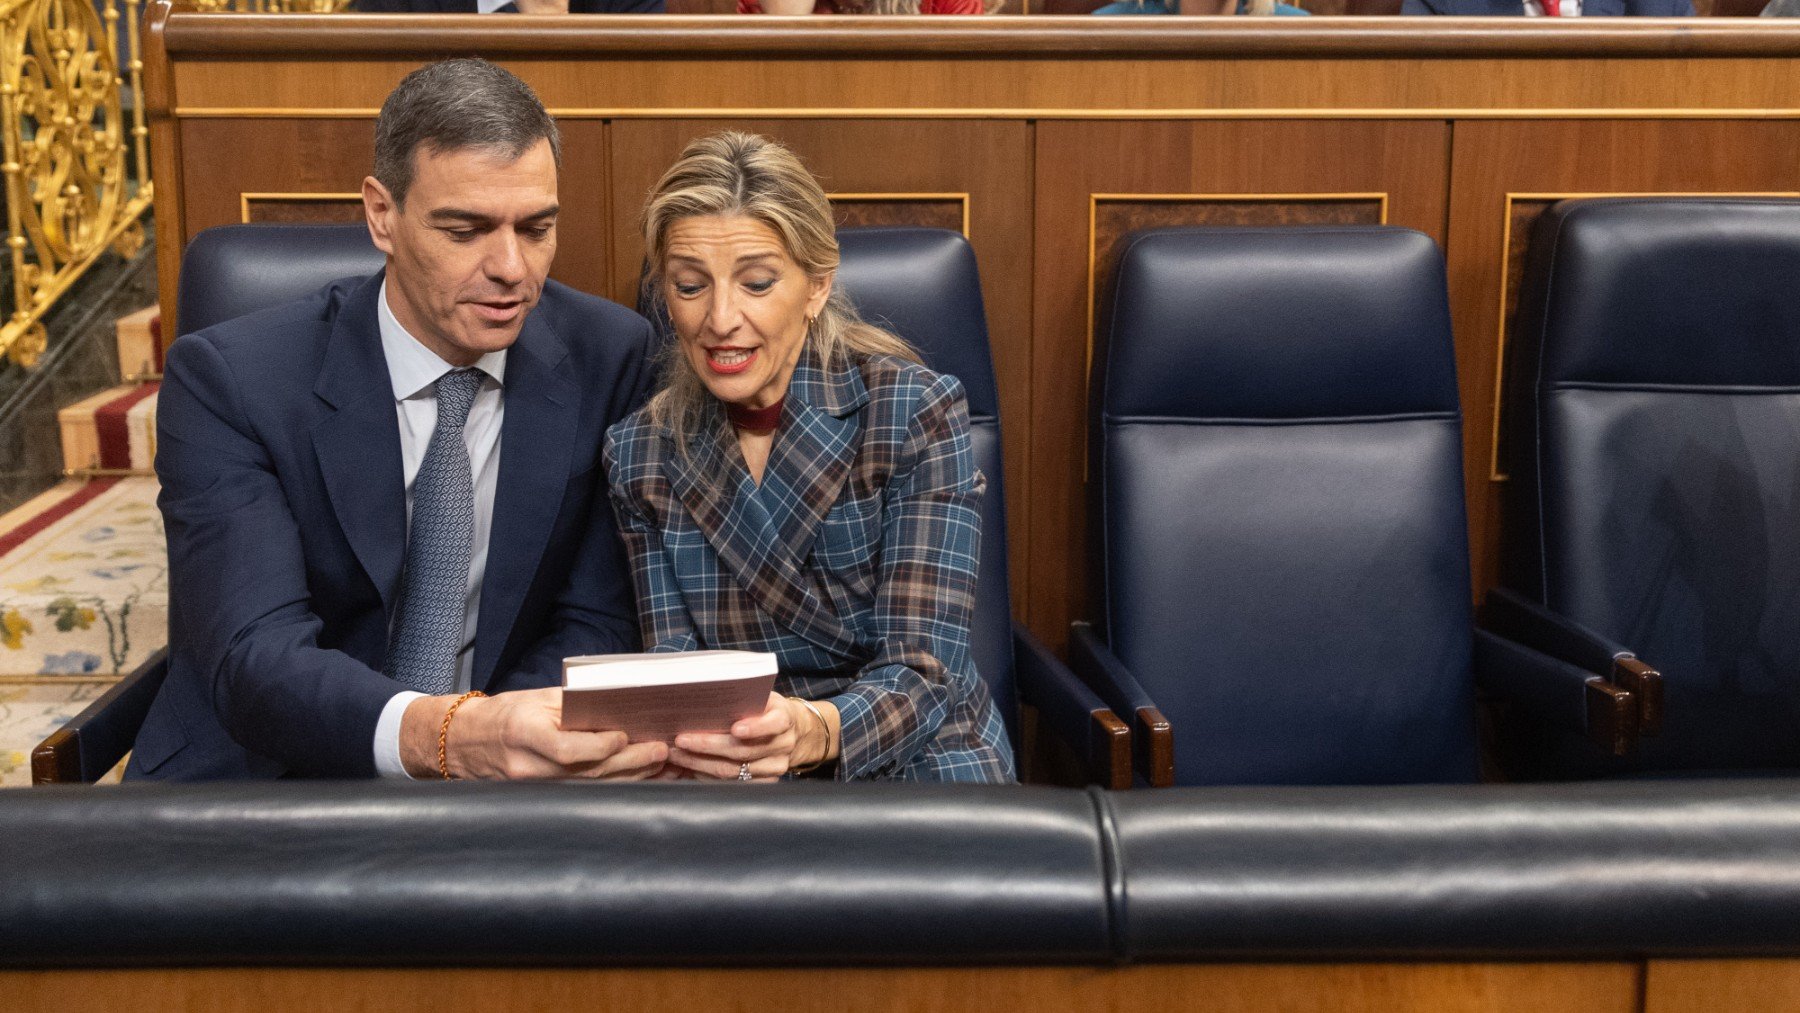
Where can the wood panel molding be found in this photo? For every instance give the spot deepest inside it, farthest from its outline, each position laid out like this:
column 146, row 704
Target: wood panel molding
column 930, row 210
column 300, row 207
column 421, row 36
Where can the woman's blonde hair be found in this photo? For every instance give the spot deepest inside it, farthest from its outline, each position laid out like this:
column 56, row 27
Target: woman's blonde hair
column 732, row 173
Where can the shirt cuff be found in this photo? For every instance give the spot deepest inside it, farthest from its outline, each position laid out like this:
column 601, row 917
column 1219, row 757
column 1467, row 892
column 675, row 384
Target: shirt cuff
column 387, row 736
column 491, row 6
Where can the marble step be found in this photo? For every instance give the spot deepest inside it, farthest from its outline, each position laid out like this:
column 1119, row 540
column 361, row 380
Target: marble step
column 140, row 344
column 112, row 431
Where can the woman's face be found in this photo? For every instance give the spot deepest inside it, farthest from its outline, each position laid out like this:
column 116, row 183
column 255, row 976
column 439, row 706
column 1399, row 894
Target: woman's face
column 740, row 304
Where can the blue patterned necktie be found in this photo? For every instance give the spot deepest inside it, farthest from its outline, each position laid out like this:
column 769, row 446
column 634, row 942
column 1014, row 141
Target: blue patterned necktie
column 434, row 587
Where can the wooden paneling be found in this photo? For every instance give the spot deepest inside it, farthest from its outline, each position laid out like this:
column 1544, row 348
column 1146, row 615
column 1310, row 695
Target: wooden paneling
column 989, row 162
column 1224, row 988
column 1227, row 88
column 950, row 211
column 1710, row 986
column 1238, row 172
column 1504, row 175
column 301, row 208
column 1018, row 124
column 272, row 166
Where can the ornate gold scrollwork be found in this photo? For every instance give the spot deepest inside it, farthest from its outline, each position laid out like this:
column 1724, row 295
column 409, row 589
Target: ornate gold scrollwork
column 70, row 191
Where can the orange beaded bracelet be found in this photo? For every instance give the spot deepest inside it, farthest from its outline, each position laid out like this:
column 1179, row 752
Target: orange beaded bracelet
column 444, row 732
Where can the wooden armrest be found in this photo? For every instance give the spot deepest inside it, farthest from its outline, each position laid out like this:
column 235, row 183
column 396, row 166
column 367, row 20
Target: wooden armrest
column 94, row 741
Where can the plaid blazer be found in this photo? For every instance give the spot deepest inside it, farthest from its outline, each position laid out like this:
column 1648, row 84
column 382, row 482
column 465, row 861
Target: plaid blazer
column 854, row 561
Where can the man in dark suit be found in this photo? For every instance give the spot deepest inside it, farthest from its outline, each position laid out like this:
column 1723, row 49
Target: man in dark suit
column 1554, row 8
column 382, row 500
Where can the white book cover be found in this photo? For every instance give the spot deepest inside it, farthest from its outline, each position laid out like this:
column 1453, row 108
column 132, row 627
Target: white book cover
column 658, row 696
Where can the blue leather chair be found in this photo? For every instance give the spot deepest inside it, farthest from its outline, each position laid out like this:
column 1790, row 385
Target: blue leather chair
column 234, row 270
column 923, row 285
column 1282, row 547
column 1654, row 502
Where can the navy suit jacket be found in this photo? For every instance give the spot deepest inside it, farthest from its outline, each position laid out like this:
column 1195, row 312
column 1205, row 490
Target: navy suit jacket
column 279, row 456
column 1589, row 8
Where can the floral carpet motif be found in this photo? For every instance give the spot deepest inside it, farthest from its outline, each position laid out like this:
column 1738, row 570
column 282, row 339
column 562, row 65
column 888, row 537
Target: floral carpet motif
column 83, row 582
column 29, row 713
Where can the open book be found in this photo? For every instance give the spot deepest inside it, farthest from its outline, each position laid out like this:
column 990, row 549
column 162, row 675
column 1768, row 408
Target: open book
column 656, row 696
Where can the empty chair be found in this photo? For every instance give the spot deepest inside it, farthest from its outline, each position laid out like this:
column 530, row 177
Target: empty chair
column 1654, row 501
column 1281, row 539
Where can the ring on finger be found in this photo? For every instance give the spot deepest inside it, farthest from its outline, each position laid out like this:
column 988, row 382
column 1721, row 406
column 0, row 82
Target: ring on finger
column 743, row 772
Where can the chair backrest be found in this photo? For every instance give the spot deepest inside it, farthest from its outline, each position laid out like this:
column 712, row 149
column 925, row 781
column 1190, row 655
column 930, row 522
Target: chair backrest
column 232, row 270
column 1284, row 553
column 1655, row 466
column 923, row 285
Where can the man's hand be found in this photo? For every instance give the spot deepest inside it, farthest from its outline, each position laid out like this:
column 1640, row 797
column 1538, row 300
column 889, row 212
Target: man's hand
column 542, row 6
column 518, row 735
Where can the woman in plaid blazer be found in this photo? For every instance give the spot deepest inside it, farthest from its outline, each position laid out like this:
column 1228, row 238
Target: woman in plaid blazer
column 801, row 485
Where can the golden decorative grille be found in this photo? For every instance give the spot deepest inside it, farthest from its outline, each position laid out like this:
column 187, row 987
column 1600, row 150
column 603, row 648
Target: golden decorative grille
column 77, row 166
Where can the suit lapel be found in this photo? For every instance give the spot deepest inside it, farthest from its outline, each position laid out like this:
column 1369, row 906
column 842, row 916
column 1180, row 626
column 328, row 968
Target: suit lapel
column 358, row 444
column 537, row 441
column 811, row 458
column 807, row 468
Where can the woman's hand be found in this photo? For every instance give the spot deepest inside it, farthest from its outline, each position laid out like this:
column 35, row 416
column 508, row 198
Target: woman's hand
column 785, row 736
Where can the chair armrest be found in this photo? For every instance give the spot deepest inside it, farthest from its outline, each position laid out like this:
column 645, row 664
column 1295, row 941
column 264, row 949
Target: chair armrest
column 1072, row 711
column 1152, row 740
column 93, row 742
column 1526, row 622
column 1557, row 692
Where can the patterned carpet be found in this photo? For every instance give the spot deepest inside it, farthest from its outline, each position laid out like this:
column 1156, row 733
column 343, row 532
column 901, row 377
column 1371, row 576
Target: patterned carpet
column 29, row 713
column 83, row 581
column 83, row 600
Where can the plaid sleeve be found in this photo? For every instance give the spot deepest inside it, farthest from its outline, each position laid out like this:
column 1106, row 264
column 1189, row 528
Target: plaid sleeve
column 662, row 611
column 925, row 599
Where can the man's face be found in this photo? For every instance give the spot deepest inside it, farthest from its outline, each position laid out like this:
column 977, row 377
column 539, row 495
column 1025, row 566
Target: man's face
column 469, row 251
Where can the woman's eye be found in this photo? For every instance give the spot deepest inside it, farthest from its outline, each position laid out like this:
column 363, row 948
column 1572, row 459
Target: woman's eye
column 759, row 287
column 681, row 289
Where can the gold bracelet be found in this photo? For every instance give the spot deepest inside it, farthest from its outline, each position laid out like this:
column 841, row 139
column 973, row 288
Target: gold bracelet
column 444, row 732
column 824, row 726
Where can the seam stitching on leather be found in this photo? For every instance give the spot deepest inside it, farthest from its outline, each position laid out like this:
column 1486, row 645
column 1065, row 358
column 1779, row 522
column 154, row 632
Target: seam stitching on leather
column 1202, row 420
column 1674, row 388
column 1106, row 821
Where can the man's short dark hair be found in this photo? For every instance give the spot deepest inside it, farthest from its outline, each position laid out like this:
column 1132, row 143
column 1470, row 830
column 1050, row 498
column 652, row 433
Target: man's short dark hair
column 456, row 104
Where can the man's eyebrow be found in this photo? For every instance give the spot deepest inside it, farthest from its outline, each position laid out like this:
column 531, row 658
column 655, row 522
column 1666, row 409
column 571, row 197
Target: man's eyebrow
column 476, row 217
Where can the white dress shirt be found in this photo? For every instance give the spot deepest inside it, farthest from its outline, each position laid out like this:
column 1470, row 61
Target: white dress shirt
column 414, row 370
